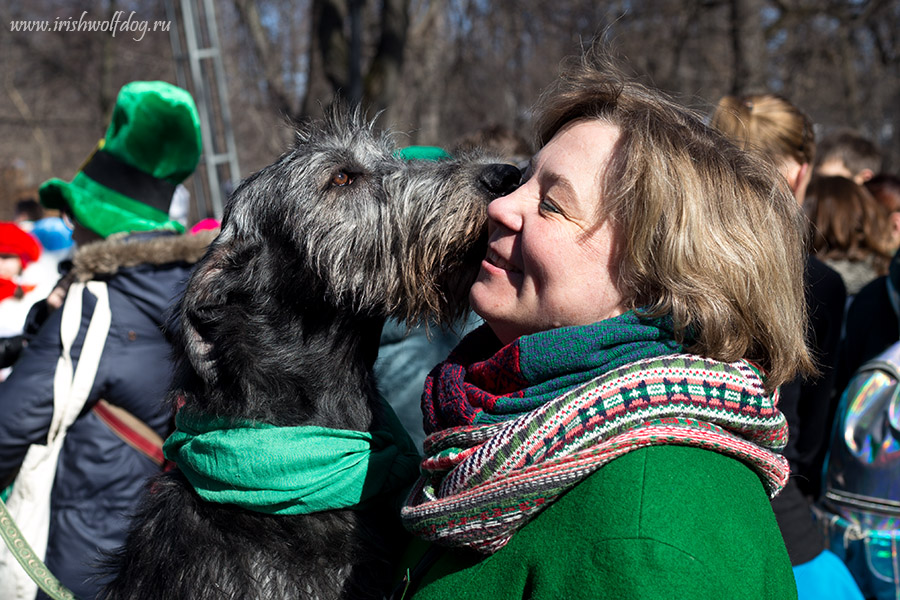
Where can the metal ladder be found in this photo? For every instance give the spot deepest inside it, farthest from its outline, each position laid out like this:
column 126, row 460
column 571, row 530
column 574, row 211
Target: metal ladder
column 205, row 80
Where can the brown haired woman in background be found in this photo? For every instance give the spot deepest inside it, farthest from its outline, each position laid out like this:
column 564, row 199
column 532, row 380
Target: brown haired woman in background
column 873, row 318
column 771, row 126
column 851, row 230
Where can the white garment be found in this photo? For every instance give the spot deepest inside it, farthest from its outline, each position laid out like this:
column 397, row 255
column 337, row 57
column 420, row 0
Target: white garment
column 42, row 275
column 29, row 502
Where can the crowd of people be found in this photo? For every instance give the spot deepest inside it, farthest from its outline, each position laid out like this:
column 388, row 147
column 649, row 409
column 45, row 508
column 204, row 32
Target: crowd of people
column 640, row 406
column 88, row 387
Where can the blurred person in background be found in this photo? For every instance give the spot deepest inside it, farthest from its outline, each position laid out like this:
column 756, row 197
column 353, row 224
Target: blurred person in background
column 18, row 250
column 846, row 153
column 773, row 127
column 130, row 264
column 873, row 318
column 55, row 237
column 885, row 188
column 851, row 231
column 45, row 281
column 27, row 212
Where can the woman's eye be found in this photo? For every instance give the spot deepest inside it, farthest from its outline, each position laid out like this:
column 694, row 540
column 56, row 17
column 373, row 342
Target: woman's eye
column 548, row 206
column 341, row 179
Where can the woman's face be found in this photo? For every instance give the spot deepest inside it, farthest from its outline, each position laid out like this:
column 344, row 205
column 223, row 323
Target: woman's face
column 548, row 264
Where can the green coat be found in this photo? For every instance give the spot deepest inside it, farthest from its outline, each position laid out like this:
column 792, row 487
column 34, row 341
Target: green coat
column 659, row 522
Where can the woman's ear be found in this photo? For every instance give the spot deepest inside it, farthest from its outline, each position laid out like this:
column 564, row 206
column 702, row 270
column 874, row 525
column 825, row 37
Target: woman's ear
column 895, row 228
column 863, row 176
column 798, row 176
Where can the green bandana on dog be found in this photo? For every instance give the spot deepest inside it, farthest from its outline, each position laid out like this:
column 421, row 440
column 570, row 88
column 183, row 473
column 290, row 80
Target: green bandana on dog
column 290, row 470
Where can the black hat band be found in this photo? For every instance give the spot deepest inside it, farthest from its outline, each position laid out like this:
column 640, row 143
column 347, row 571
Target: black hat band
column 131, row 182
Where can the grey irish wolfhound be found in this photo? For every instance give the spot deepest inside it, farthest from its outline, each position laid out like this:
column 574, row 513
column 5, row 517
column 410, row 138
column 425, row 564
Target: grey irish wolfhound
column 280, row 325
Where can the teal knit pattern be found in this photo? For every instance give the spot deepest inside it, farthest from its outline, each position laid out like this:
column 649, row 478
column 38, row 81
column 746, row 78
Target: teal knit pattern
column 482, row 382
column 481, row 483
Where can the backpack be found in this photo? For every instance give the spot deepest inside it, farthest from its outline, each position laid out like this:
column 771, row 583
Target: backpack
column 859, row 509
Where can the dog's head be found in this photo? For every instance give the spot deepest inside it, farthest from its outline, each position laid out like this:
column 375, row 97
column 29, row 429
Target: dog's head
column 338, row 229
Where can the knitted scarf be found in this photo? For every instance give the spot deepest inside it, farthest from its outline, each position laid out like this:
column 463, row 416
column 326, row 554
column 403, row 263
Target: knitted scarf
column 488, row 471
column 483, row 383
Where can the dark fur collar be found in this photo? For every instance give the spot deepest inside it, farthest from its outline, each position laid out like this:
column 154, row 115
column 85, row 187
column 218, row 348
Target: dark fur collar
column 107, row 256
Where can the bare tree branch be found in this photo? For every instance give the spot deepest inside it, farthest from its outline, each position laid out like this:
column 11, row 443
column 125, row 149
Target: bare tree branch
column 267, row 57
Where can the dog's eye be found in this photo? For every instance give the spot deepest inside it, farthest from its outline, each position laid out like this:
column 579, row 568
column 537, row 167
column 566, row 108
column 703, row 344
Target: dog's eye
column 341, row 179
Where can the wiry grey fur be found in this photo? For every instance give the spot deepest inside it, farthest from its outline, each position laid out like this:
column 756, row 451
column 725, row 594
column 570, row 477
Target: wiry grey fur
column 280, row 323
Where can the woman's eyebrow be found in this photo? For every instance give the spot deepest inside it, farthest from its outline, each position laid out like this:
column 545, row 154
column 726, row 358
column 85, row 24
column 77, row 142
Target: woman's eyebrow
column 554, row 179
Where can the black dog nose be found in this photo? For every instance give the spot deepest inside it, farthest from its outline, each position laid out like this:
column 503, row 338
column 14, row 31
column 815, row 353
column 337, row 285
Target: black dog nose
column 499, row 179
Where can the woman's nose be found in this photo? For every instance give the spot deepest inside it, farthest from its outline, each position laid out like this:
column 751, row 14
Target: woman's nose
column 506, row 210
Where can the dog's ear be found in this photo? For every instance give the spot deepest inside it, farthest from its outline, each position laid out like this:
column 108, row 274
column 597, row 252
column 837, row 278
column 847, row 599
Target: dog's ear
column 205, row 305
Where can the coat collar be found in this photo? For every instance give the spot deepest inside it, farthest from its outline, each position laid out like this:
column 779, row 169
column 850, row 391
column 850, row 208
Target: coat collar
column 108, row 256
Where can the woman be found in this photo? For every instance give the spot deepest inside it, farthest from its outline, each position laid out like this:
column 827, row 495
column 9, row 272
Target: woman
column 851, row 230
column 611, row 431
column 873, row 318
column 772, row 126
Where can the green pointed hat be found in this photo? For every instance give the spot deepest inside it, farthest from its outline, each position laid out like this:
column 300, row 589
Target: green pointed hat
column 152, row 144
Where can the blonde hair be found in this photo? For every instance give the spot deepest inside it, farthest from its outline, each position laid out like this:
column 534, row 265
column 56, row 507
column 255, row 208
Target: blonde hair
column 768, row 124
column 710, row 235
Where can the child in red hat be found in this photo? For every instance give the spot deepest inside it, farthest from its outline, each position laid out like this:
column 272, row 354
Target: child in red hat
column 17, row 250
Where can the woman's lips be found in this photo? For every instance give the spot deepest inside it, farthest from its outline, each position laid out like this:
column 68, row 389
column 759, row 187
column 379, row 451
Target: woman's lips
column 501, row 263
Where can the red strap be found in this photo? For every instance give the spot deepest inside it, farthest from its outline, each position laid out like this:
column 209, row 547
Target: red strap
column 133, row 432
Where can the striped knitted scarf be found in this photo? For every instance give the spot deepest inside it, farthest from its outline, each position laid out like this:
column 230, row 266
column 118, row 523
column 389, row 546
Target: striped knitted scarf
column 482, row 383
column 484, row 477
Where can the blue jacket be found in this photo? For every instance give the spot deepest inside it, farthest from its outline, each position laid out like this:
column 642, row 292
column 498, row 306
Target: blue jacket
column 99, row 478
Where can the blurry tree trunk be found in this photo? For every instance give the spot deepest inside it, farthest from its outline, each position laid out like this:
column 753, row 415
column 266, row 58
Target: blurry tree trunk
column 266, row 56
column 383, row 76
column 37, row 132
column 431, row 56
column 846, row 65
column 328, row 60
column 748, row 45
column 328, row 74
column 329, row 56
column 106, row 95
